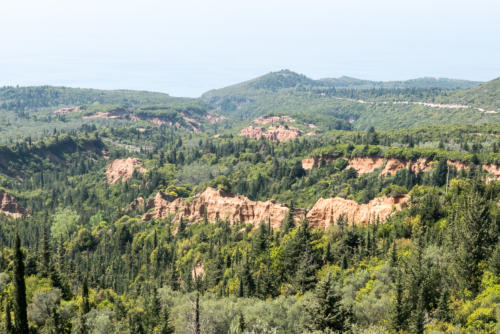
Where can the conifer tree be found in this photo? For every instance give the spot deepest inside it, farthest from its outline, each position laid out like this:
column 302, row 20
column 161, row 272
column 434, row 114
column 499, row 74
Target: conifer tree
column 418, row 315
column 166, row 327
column 9, row 329
column 20, row 305
column 471, row 238
column 399, row 314
column 85, row 297
column 443, row 309
column 327, row 311
column 197, row 314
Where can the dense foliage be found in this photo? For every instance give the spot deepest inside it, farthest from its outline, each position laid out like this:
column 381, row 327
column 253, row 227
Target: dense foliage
column 82, row 259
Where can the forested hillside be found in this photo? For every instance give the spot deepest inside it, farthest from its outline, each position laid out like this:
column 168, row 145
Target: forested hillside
column 281, row 205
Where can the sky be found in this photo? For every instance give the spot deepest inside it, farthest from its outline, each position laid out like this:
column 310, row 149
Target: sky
column 186, row 47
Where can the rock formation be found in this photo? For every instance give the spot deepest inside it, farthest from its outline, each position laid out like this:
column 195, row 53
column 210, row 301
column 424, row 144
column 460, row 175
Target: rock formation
column 217, row 204
column 494, row 170
column 67, row 110
column 326, row 212
column 365, row 165
column 273, row 119
column 9, row 206
column 274, row 133
column 123, row 169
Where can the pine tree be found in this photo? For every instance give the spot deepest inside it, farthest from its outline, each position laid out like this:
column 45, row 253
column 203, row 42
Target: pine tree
column 305, row 277
column 242, row 324
column 327, row 311
column 166, row 326
column 9, row 329
column 289, row 223
column 399, row 314
column 85, row 297
column 495, row 260
column 443, row 309
column 418, row 315
column 394, row 255
column 45, row 254
column 20, row 305
column 197, row 314
column 472, row 238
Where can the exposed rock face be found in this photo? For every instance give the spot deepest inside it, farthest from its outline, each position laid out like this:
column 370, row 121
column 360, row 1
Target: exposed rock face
column 9, row 206
column 67, row 110
column 272, row 119
column 365, row 165
column 310, row 163
column 140, row 204
column 217, row 204
column 494, row 170
column 198, row 271
column 123, row 169
column 275, row 133
column 164, row 205
column 458, row 164
column 211, row 118
column 326, row 212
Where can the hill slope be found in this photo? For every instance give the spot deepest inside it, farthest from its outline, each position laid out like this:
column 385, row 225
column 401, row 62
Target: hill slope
column 30, row 98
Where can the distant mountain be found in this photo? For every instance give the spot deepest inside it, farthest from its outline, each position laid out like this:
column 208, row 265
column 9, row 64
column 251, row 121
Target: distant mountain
column 345, row 102
column 421, row 83
column 486, row 96
column 286, row 79
column 31, row 98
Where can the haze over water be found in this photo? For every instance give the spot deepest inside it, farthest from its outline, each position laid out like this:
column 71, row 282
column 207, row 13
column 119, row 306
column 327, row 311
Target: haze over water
column 150, row 45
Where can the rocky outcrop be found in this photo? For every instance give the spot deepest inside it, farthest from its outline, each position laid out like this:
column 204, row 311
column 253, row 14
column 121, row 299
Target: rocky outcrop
column 220, row 205
column 212, row 119
column 9, row 206
column 494, row 170
column 274, row 133
column 326, row 212
column 163, row 205
column 273, row 119
column 216, row 205
column 67, row 110
column 198, row 271
column 140, row 205
column 365, row 165
column 310, row 163
column 123, row 169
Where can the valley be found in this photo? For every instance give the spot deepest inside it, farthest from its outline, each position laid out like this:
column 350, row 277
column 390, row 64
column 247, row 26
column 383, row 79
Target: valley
column 260, row 202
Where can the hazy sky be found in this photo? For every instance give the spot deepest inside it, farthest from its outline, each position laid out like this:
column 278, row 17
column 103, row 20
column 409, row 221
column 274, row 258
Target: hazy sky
column 186, row 47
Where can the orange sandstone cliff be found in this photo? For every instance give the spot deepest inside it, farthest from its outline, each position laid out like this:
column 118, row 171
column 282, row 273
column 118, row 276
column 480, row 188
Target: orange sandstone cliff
column 217, row 204
column 327, row 211
column 123, row 169
column 365, row 165
column 274, row 133
column 9, row 206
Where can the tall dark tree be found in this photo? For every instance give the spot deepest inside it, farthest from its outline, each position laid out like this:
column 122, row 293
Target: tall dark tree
column 85, row 297
column 197, row 314
column 472, row 237
column 20, row 305
column 9, row 328
column 166, row 327
column 418, row 315
column 327, row 311
column 399, row 316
